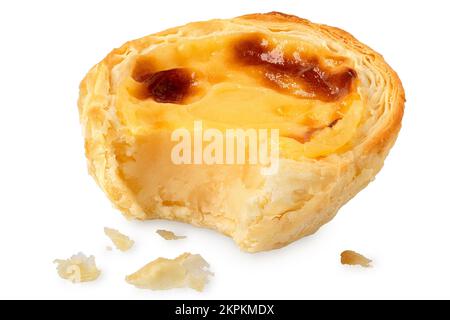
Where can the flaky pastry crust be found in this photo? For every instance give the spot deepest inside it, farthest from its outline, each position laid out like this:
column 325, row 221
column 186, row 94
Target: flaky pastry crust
column 258, row 212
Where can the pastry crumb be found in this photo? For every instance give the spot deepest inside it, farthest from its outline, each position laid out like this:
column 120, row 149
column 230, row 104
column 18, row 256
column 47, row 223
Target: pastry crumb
column 108, row 248
column 121, row 241
column 169, row 235
column 350, row 257
column 187, row 270
column 78, row 268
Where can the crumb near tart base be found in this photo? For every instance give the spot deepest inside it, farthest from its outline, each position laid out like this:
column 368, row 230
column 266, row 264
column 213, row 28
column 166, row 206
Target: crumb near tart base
column 169, row 235
column 350, row 257
column 78, row 268
column 187, row 270
column 120, row 241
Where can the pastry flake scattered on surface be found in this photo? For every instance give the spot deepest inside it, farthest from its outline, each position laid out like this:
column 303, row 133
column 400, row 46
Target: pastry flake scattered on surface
column 187, row 270
column 350, row 257
column 78, row 268
column 121, row 241
column 169, row 235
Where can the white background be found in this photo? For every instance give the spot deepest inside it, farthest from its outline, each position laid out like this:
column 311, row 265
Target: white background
column 51, row 208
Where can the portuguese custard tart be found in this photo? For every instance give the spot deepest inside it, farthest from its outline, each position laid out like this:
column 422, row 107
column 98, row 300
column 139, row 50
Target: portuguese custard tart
column 334, row 104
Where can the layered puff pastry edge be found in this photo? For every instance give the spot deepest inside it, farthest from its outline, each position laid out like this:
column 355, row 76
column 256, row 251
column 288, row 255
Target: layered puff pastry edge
column 336, row 102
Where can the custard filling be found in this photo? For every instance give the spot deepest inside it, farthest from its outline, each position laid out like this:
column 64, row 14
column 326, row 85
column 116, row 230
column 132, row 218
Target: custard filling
column 245, row 81
column 236, row 80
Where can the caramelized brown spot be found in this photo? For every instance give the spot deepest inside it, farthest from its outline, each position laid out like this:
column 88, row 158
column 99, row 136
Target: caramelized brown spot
column 299, row 76
column 308, row 135
column 333, row 123
column 168, row 86
column 248, row 51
